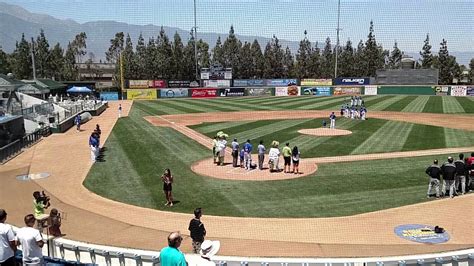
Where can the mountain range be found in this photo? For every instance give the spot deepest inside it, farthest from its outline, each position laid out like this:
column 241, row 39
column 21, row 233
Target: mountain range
column 15, row 20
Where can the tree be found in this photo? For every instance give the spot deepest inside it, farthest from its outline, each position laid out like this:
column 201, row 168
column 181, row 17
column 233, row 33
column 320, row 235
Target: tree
column 395, row 60
column 446, row 64
column 288, row 63
column 303, row 58
column 128, row 59
column 360, row 62
column 178, row 57
column 4, row 62
column 327, row 66
column 373, row 53
column 247, row 66
column 116, row 47
column 217, row 53
column 426, row 55
column 189, row 60
column 204, row 59
column 56, row 62
column 151, row 62
column 70, row 70
column 42, row 55
column 21, row 65
column 314, row 67
column 346, row 61
column 164, row 55
column 78, row 46
column 268, row 58
column 471, row 70
column 141, row 58
column 258, row 61
column 231, row 53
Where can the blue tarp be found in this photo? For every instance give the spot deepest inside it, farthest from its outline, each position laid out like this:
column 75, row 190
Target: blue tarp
column 79, row 90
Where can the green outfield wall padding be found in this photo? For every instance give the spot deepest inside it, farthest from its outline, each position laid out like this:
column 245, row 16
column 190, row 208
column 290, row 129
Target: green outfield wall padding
column 414, row 90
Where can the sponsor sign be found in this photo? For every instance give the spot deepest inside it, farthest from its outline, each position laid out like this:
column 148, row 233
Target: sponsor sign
column 287, row 91
column 441, row 90
column 280, row 82
column 203, row 93
column 458, row 90
column 216, row 83
column 316, row 91
column 470, row 91
column 316, row 82
column 204, row 75
column 351, row 81
column 347, row 91
column 157, row 84
column 178, row 83
column 370, row 90
column 258, row 91
column 249, row 82
column 109, row 96
column 421, row 233
column 232, row 92
column 174, row 93
column 141, row 94
column 228, row 75
column 138, row 84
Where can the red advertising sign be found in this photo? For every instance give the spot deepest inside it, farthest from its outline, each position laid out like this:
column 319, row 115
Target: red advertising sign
column 203, row 93
column 157, row 84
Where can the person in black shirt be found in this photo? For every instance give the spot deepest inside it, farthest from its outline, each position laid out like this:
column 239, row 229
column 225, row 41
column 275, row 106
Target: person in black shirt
column 434, row 171
column 197, row 230
column 449, row 172
column 460, row 180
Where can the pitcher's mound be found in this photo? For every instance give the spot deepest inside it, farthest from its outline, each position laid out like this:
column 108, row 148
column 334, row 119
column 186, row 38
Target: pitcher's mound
column 324, row 132
column 208, row 168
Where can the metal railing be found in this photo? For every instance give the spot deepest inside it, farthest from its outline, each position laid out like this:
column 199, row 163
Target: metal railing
column 12, row 149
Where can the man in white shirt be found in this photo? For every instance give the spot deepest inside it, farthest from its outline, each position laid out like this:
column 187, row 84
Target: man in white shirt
column 31, row 242
column 7, row 242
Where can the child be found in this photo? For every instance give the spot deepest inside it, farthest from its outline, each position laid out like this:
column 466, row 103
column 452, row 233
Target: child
column 324, row 123
column 55, row 223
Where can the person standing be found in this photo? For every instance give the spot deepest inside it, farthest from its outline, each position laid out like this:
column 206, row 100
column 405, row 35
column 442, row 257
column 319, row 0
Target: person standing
column 54, row 223
column 470, row 171
column 120, row 111
column 434, row 171
column 261, row 154
column 274, row 156
column 209, row 249
column 77, row 121
column 214, row 149
column 460, row 179
column 332, row 117
column 449, row 172
column 248, row 155
column 197, row 230
column 7, row 242
column 235, row 153
column 31, row 242
column 167, row 179
column 295, row 157
column 221, row 145
column 93, row 144
column 171, row 255
column 286, row 151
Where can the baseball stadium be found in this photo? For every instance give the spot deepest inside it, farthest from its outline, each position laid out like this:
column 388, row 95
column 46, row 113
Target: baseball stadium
column 359, row 197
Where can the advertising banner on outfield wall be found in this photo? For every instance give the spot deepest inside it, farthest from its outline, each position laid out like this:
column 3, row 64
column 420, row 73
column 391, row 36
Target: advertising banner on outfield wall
column 217, row 83
column 287, row 91
column 316, row 82
column 232, row 92
column 458, row 91
column 179, row 83
column 441, row 90
column 138, row 84
column 470, row 91
column 316, row 91
column 157, row 84
column 351, row 81
column 370, row 90
column 141, row 94
column 280, row 82
column 203, row 93
column 109, row 96
column 174, row 93
column 259, row 91
column 249, row 82
column 347, row 91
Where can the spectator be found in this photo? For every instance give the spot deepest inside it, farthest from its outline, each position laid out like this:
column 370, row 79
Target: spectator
column 167, row 179
column 77, row 121
column 97, row 129
column 54, row 223
column 460, row 179
column 434, row 171
column 286, row 151
column 470, row 167
column 214, row 149
column 261, row 155
column 171, row 255
column 197, row 230
column 449, row 172
column 40, row 204
column 235, row 152
column 120, row 111
column 7, row 242
column 209, row 249
column 295, row 157
column 31, row 242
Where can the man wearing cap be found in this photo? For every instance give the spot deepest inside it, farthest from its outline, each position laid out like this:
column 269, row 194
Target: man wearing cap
column 460, row 179
column 7, row 242
column 197, row 230
column 171, row 255
column 449, row 172
column 209, row 249
column 235, row 152
column 434, row 171
column 248, row 155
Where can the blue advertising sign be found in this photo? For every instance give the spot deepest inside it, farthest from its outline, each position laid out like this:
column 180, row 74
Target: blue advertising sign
column 249, row 82
column 470, row 91
column 316, row 91
column 421, row 233
column 109, row 96
column 351, row 81
column 280, row 82
column 173, row 93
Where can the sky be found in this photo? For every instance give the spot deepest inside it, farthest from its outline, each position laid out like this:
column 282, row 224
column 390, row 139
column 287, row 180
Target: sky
column 404, row 21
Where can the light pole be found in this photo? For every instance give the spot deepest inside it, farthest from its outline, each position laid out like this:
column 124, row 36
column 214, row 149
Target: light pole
column 337, row 38
column 195, row 41
column 33, row 57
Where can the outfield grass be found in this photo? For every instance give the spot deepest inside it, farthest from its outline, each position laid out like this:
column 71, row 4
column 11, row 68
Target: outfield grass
column 138, row 152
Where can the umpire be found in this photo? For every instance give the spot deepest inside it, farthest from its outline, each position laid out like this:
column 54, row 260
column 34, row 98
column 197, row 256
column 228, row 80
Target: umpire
column 449, row 172
column 434, row 171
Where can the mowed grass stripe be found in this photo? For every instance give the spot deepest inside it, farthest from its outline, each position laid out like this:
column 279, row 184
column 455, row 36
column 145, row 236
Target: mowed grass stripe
column 194, row 106
column 316, row 141
column 434, row 105
column 323, row 103
column 383, row 104
column 148, row 108
column 423, row 137
column 157, row 107
column 244, row 106
column 451, row 105
column 288, row 101
column 218, row 106
column 400, row 104
column 458, row 138
column 417, row 105
column 389, row 138
column 174, row 104
column 206, row 128
column 466, row 103
column 270, row 128
column 308, row 101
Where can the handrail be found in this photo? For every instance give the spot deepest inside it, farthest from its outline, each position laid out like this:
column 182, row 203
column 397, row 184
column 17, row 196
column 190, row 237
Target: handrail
column 10, row 150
